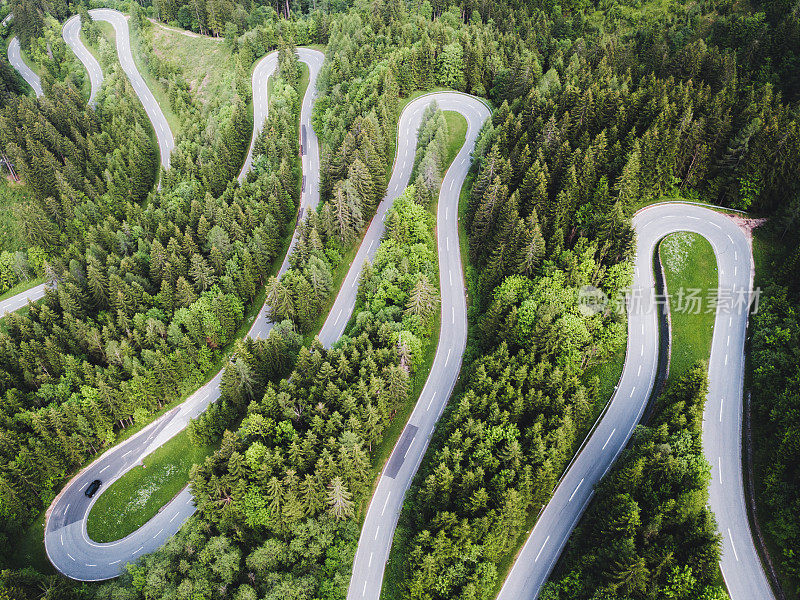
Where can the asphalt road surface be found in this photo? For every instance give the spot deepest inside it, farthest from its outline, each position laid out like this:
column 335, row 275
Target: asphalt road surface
column 166, row 143
column 309, row 198
column 68, row 545
column 71, row 32
column 722, row 420
column 384, row 509
column 15, row 58
column 16, row 302
column 263, row 71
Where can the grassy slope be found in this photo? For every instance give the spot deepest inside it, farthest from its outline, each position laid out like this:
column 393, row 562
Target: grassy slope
column 132, row 500
column 689, row 262
column 11, row 237
column 207, row 63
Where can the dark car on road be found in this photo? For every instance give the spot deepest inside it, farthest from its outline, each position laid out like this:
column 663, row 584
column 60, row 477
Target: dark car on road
column 93, row 487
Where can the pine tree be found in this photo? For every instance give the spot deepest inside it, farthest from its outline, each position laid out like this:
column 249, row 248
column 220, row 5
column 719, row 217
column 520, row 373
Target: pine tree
column 201, row 273
column 533, row 247
column 423, row 298
column 339, row 502
column 97, row 283
column 279, row 299
column 361, row 178
column 628, row 183
column 184, row 293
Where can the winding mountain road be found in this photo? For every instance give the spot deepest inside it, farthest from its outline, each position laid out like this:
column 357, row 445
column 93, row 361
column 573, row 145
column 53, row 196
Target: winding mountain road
column 71, row 32
column 309, row 198
column 166, row 143
column 15, row 58
column 75, row 555
column 722, row 420
column 384, row 509
column 67, row 542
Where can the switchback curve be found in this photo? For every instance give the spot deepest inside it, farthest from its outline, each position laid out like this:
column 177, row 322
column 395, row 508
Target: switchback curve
column 71, row 32
column 722, row 419
column 67, row 542
column 166, row 142
column 377, row 532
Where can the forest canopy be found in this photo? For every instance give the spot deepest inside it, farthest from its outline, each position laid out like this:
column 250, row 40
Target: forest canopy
column 598, row 108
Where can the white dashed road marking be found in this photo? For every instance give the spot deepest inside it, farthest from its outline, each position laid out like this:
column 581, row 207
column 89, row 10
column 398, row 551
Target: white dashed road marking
column 385, row 502
column 541, row 549
column 609, row 438
column 736, row 556
column 576, row 490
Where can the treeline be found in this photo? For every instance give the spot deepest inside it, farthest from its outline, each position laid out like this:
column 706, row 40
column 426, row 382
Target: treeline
column 256, row 363
column 278, row 502
column 774, row 380
column 228, row 18
column 766, row 34
column 648, row 532
column 402, row 283
column 11, row 83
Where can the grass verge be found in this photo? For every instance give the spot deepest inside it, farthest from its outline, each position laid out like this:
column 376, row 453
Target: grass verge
column 456, row 133
column 136, row 497
column 689, row 265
